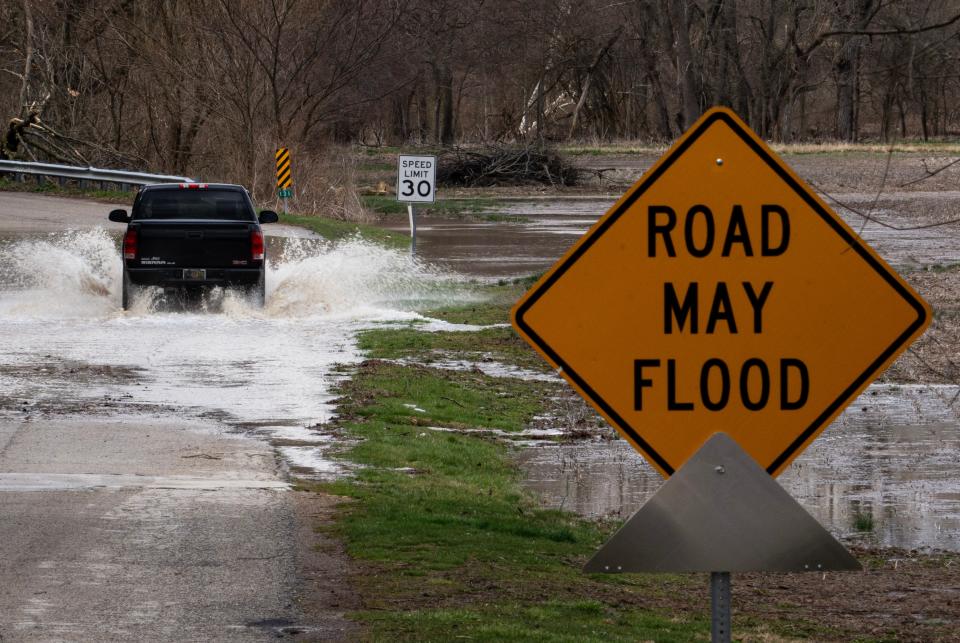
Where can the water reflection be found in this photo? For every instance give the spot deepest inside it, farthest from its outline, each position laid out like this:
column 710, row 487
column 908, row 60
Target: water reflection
column 547, row 227
column 885, row 473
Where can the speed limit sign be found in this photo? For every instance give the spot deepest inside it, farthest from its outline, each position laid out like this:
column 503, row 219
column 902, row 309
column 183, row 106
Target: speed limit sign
column 416, row 179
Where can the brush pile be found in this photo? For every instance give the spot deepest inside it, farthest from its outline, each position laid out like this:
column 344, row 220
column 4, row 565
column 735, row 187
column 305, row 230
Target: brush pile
column 504, row 166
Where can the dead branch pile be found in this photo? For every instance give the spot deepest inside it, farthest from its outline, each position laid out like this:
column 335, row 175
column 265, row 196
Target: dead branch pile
column 499, row 166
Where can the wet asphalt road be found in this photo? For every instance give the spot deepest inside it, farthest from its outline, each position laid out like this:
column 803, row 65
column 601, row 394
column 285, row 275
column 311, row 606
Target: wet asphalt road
column 147, row 527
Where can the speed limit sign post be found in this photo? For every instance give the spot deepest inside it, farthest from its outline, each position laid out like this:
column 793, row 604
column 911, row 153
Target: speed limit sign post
column 416, row 183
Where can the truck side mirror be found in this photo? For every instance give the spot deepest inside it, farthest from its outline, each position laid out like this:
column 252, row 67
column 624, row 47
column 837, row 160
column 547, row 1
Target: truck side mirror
column 119, row 216
column 268, row 216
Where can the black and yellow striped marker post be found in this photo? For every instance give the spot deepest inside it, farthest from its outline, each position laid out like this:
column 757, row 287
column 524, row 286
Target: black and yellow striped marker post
column 284, row 176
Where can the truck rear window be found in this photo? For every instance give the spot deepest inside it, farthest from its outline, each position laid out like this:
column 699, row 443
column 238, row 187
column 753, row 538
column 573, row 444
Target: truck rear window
column 225, row 205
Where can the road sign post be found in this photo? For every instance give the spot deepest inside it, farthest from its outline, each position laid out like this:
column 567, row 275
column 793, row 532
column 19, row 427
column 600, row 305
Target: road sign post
column 413, row 228
column 416, row 183
column 284, row 176
column 720, row 316
column 720, row 607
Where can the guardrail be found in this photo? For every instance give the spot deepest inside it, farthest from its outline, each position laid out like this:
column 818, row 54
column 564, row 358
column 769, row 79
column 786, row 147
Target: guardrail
column 93, row 174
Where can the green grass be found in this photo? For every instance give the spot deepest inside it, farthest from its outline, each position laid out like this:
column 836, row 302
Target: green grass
column 494, row 308
column 572, row 621
column 501, row 344
column 503, row 218
column 444, row 398
column 439, row 519
column 334, row 229
column 942, row 267
column 53, row 189
column 383, row 150
column 386, row 204
column 446, row 542
column 374, row 166
column 863, row 522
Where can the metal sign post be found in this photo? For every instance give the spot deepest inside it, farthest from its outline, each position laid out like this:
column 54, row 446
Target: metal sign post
column 720, row 625
column 726, row 515
column 416, row 183
column 413, row 228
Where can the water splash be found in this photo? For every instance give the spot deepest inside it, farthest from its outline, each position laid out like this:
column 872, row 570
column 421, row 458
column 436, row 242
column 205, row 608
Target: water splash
column 353, row 277
column 68, row 274
column 78, row 275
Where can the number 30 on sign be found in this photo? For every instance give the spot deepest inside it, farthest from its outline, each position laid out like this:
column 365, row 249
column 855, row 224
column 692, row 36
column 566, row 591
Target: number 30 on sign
column 416, row 179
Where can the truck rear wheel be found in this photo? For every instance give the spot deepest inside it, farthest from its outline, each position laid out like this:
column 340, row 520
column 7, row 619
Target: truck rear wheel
column 128, row 292
column 257, row 293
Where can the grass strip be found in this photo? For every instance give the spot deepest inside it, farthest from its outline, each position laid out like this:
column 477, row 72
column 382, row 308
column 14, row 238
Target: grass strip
column 387, row 204
column 498, row 344
column 447, row 535
column 573, row 621
column 335, row 229
column 51, row 188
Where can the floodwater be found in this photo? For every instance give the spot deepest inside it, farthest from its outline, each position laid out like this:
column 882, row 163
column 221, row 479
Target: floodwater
column 545, row 228
column 885, row 473
column 69, row 348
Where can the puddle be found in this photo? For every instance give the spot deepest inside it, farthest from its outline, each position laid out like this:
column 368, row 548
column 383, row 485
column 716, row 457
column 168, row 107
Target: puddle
column 892, row 456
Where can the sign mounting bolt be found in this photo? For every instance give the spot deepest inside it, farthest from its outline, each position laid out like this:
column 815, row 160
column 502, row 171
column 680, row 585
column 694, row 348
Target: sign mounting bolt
column 719, row 161
column 719, row 469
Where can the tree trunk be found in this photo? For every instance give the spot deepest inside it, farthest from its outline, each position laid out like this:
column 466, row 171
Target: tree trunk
column 846, row 71
column 678, row 17
column 28, row 55
column 446, row 102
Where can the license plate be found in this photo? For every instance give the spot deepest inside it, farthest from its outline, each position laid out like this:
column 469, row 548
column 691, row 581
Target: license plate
column 193, row 274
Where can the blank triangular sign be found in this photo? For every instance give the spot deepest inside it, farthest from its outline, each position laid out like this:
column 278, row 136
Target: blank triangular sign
column 721, row 512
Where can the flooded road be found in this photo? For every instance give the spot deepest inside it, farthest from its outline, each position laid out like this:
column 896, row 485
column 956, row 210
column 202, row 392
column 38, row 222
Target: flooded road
column 266, row 371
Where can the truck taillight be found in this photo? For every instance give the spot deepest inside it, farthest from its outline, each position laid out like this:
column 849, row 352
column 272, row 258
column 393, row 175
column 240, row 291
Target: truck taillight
column 256, row 245
column 130, row 244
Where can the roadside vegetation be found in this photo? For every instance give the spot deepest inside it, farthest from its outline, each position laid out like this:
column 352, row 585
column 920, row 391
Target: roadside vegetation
column 446, row 542
column 75, row 191
column 387, row 205
column 335, row 229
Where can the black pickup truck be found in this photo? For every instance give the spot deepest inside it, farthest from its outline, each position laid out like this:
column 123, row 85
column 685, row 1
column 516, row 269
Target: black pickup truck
column 193, row 236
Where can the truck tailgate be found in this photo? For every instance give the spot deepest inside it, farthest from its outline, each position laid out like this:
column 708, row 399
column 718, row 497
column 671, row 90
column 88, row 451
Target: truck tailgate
column 194, row 244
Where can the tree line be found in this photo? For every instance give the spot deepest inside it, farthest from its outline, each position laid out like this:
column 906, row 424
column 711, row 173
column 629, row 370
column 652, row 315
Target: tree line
column 212, row 87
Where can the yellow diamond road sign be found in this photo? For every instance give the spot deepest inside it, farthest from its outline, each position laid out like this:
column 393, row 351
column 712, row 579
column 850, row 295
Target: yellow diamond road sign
column 720, row 294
